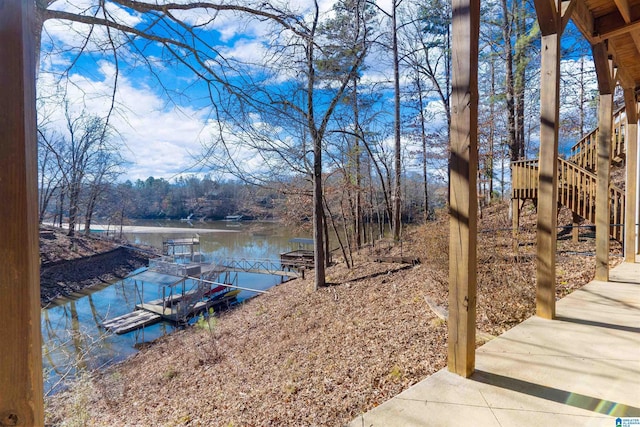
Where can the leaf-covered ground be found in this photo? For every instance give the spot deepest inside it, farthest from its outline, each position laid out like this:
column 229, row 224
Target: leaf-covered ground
column 302, row 357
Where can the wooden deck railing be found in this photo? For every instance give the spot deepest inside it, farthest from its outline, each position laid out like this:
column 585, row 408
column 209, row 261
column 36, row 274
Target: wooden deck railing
column 576, row 191
column 524, row 179
column 584, row 152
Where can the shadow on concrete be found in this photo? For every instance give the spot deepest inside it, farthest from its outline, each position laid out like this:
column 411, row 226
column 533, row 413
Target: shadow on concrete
column 613, row 300
column 564, row 397
column 598, row 324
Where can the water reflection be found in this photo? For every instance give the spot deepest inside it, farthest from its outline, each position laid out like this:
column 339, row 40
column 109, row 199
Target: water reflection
column 72, row 336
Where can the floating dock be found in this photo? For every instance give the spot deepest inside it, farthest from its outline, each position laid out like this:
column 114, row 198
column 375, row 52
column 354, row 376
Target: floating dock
column 131, row 321
column 177, row 312
column 184, row 285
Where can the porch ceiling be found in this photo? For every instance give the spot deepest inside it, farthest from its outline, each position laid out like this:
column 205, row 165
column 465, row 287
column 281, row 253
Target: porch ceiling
column 617, row 24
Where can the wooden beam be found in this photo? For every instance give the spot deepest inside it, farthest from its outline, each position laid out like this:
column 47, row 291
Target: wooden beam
column 631, row 104
column 463, row 203
column 635, row 35
column 21, row 400
column 566, row 11
column 584, row 20
column 603, row 205
column 547, row 231
column 631, row 187
column 618, row 73
column 603, row 68
column 614, row 24
column 548, row 16
column 622, row 76
column 624, row 9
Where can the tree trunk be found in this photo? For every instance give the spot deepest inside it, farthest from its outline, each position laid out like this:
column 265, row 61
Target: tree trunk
column 520, row 62
column 397, row 214
column 318, row 211
column 327, row 248
column 509, row 87
column 356, row 120
column 582, row 97
column 423, row 137
column 346, row 256
column 91, row 204
column 74, row 197
column 492, row 125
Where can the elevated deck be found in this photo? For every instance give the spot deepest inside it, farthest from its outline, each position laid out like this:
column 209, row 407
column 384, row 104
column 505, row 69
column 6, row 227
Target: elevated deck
column 582, row 369
column 299, row 258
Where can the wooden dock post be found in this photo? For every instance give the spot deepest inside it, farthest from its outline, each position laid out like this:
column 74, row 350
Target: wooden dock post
column 547, row 231
column 21, row 386
column 631, row 142
column 463, row 203
column 604, row 70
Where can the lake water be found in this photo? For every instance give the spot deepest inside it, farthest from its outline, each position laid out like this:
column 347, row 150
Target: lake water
column 71, row 333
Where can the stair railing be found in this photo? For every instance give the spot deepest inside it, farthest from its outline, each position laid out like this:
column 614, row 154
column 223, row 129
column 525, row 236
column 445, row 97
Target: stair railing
column 576, row 191
column 584, row 152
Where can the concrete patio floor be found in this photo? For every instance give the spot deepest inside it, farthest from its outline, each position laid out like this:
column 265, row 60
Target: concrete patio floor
column 582, row 369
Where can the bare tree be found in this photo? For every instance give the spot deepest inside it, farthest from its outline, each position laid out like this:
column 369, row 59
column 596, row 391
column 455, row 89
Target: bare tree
column 426, row 53
column 49, row 174
column 104, row 170
column 80, row 153
column 397, row 194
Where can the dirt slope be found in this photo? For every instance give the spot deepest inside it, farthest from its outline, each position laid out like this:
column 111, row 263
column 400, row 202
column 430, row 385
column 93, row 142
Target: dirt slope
column 303, row 357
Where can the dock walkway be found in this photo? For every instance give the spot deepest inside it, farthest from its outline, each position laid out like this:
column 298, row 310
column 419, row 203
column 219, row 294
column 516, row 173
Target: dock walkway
column 582, row 369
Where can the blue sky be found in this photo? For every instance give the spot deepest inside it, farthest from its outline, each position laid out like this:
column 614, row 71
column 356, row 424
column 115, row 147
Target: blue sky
column 162, row 121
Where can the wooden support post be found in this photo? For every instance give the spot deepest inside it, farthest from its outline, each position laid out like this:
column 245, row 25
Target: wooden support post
column 604, row 73
column 21, row 387
column 637, row 210
column 547, row 228
column 603, row 205
column 631, row 142
column 575, row 231
column 515, row 220
column 463, row 203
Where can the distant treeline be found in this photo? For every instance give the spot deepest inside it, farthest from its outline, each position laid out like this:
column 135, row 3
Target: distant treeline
column 205, row 199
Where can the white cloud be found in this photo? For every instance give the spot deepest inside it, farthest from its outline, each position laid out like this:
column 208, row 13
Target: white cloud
column 74, row 34
column 160, row 137
column 160, row 140
column 246, row 50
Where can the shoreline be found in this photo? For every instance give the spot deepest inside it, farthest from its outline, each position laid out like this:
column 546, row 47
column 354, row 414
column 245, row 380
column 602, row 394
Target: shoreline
column 144, row 229
column 63, row 278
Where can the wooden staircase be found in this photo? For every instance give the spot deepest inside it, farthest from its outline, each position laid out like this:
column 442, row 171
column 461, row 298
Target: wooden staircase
column 577, row 178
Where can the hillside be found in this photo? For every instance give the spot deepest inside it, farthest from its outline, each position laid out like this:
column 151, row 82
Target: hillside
column 299, row 357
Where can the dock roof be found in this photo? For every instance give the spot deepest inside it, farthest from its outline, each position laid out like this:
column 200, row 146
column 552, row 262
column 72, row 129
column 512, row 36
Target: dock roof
column 158, row 278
